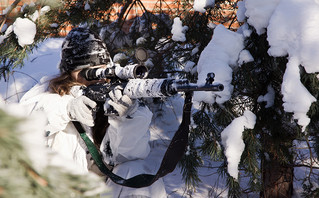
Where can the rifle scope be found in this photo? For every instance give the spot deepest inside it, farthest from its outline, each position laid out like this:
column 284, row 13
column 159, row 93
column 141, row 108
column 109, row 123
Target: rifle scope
column 127, row 72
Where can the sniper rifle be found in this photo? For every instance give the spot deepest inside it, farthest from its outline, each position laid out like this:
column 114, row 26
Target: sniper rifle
column 132, row 79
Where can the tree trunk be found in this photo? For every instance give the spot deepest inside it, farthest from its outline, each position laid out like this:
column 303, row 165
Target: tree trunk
column 277, row 180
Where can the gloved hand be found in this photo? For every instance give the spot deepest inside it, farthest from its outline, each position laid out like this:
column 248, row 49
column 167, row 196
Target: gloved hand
column 123, row 104
column 80, row 109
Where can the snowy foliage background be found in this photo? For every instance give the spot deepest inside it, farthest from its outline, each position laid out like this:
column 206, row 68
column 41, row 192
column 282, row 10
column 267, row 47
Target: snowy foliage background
column 292, row 31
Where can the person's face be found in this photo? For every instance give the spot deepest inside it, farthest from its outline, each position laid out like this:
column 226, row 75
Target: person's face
column 78, row 78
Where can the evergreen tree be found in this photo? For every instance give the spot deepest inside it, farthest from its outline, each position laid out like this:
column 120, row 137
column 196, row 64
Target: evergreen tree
column 271, row 152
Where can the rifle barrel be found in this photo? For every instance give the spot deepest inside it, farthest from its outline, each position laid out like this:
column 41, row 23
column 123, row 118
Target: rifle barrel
column 185, row 88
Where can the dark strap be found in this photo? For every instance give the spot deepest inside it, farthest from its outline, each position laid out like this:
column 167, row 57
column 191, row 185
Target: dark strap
column 173, row 154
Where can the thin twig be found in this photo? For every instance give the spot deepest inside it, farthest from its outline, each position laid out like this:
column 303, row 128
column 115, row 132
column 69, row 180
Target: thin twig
column 27, row 75
column 311, row 157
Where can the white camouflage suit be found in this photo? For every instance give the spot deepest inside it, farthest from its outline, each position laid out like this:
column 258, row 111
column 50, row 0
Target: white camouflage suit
column 128, row 138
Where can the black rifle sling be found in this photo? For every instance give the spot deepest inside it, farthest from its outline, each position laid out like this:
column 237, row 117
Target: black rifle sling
column 173, row 154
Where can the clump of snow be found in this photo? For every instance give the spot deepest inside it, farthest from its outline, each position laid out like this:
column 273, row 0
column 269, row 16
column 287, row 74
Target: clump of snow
column 140, row 41
column 232, row 140
column 269, row 98
column 194, row 51
column 241, row 11
column 45, row 9
column 221, row 53
column 36, row 14
column 54, row 25
column 149, row 63
column 245, row 57
column 211, row 25
column 259, row 13
column 293, row 31
column 25, row 30
column 189, row 66
column 119, row 57
column 178, row 30
column 87, row 6
column 244, row 30
column 200, row 5
column 298, row 35
column 6, row 34
column 296, row 97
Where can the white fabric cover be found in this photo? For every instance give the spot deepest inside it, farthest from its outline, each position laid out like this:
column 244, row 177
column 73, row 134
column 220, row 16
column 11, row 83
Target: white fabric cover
column 129, row 139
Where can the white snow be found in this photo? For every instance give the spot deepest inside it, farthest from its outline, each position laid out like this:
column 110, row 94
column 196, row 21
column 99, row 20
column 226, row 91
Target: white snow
column 232, row 140
column 43, row 62
column 45, row 9
column 6, row 34
column 178, row 30
column 189, row 66
column 199, row 5
column 244, row 30
column 25, row 31
column 269, row 98
column 36, row 14
column 245, row 57
column 149, row 63
column 292, row 31
column 219, row 55
column 296, row 97
column 54, row 25
column 140, row 41
column 241, row 11
column 195, row 51
column 119, row 57
column 259, row 13
column 87, row 6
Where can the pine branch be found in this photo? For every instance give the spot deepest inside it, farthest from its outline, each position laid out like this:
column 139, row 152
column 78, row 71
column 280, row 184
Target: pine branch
column 13, row 5
column 20, row 179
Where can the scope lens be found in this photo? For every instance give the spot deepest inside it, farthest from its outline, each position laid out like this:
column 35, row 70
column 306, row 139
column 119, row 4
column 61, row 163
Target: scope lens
column 141, row 72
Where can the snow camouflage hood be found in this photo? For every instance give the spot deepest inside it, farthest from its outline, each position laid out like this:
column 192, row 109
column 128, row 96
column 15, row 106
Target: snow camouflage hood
column 82, row 48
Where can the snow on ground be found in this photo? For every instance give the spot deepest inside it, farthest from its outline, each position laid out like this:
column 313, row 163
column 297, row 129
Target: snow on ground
column 43, row 62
